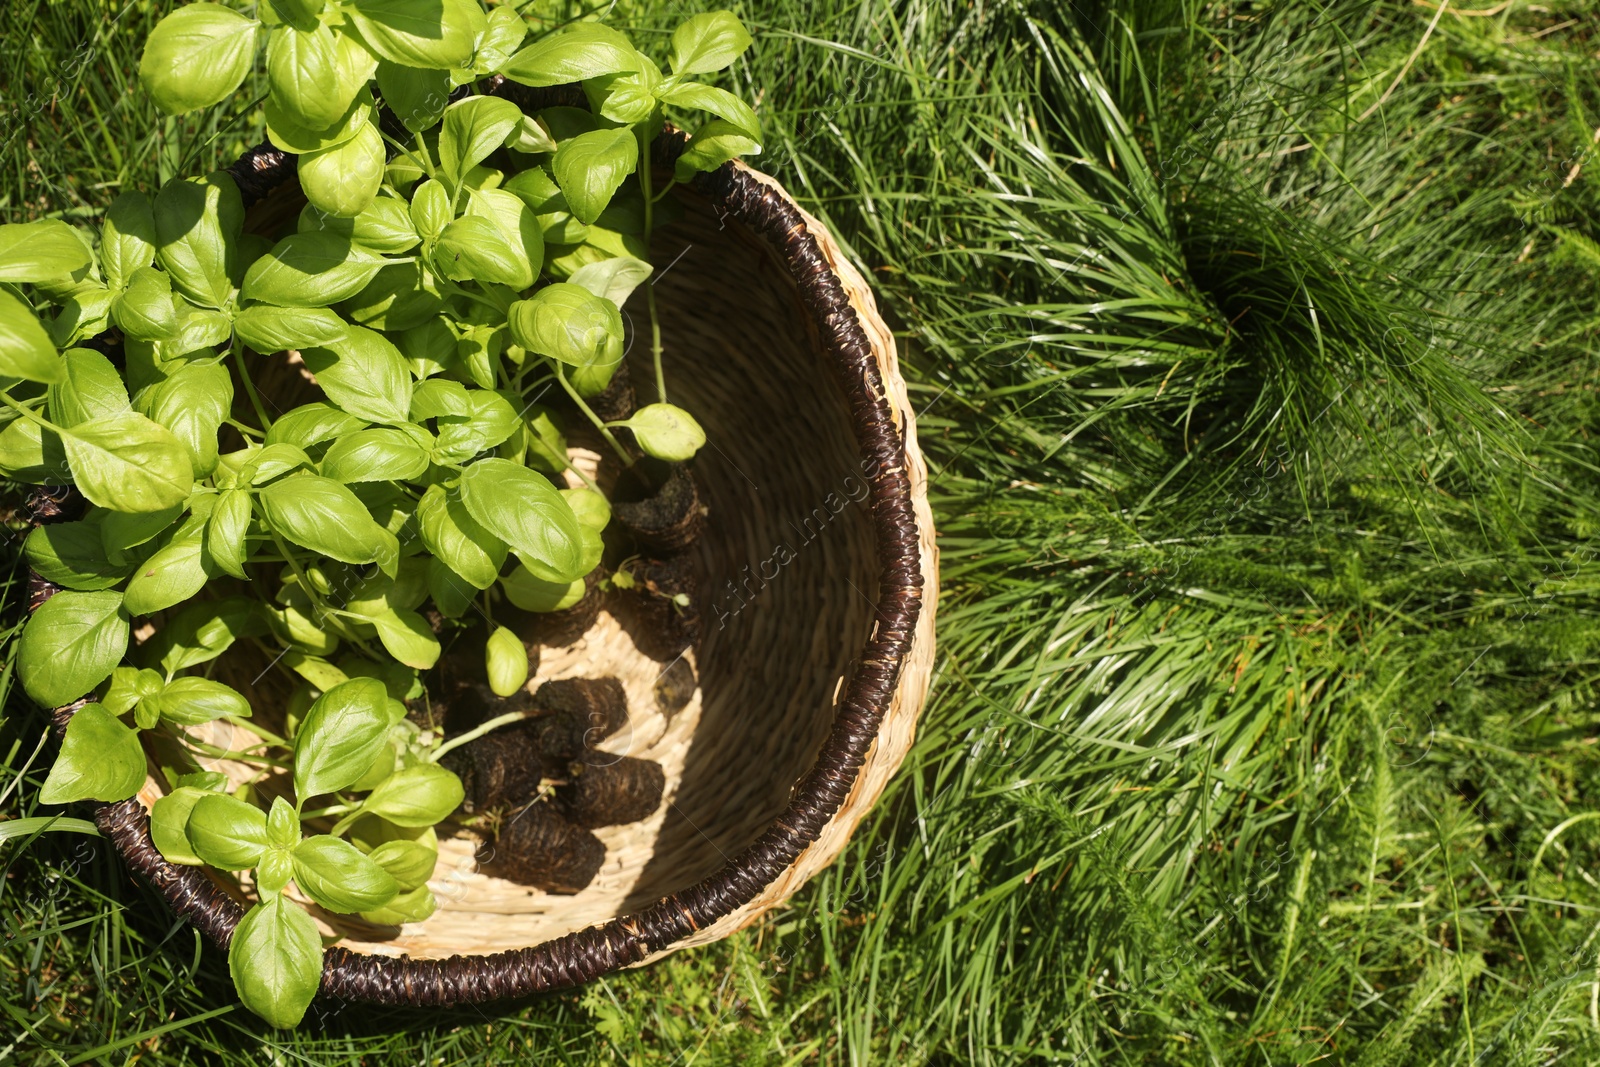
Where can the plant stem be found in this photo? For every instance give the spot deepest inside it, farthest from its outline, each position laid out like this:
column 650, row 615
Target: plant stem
column 266, row 735
column 250, row 386
column 561, row 376
column 645, row 179
column 474, row 734
column 26, row 413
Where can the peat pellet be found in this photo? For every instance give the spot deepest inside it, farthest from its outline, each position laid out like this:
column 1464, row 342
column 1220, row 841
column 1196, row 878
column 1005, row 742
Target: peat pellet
column 583, row 712
column 675, row 688
column 555, row 628
column 666, row 517
column 503, row 768
column 458, row 688
column 539, row 847
column 612, row 791
column 649, row 612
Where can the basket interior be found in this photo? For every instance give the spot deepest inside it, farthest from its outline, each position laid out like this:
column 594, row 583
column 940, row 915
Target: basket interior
column 788, row 577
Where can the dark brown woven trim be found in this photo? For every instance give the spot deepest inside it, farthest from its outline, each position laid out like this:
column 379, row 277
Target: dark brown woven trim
column 628, row 939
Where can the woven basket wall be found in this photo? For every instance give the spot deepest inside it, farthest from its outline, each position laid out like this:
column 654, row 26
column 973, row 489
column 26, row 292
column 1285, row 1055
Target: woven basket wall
column 820, row 579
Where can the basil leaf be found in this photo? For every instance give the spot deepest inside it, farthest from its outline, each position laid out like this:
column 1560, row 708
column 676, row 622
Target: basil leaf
column 198, row 225
column 666, row 432
column 531, row 137
column 128, row 463
column 437, row 397
column 25, row 349
column 431, row 34
column 30, row 453
column 473, row 248
column 506, row 660
column 592, row 509
column 451, row 593
column 430, row 208
column 409, row 863
column 534, row 594
column 70, row 555
column 409, row 907
column 340, row 736
column 408, row 638
column 615, row 278
column 40, row 251
column 275, row 959
column 197, row 56
column 303, row 75
column 193, row 402
column 324, row 516
column 120, row 531
column 299, row 13
column 707, row 43
column 127, row 238
column 144, row 310
column 192, row 701
column 546, row 444
column 273, row 461
column 524, row 510
column 69, row 646
column 92, row 389
column 100, row 759
column 310, row 270
column 171, row 576
column 591, row 166
column 570, row 325
column 518, row 226
column 385, row 226
column 198, row 330
column 488, row 421
column 283, row 825
column 417, row 97
column 713, row 145
column 289, row 136
column 416, row 796
column 268, row 329
column 400, row 298
column 226, row 832
column 586, row 50
column 624, row 98
column 345, row 179
column 202, row 632
column 719, row 102
column 337, row 876
column 378, row 455
column 128, row 686
column 311, row 424
column 226, row 530
column 169, row 825
column 473, row 128
column 86, row 314
column 364, row 374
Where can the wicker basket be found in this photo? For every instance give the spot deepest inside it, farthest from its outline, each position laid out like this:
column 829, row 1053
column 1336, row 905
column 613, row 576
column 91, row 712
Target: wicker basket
column 818, row 629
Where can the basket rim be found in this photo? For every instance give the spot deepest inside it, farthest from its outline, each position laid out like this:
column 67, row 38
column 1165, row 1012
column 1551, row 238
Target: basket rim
column 736, row 192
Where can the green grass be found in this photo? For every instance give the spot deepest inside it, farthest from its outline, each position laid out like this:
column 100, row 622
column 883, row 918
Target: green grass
column 1253, row 350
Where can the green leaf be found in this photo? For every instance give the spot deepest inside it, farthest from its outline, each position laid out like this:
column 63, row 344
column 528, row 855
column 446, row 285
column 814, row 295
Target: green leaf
column 144, row 310
column 226, row 832
column 226, row 530
column 473, row 128
column 531, row 137
column 268, row 329
column 92, row 389
column 430, row 208
column 171, row 576
column 100, row 759
column 526, row 512
column 506, row 659
column 128, row 463
column 276, row 961
column 274, row 870
column 409, row 907
column 169, row 825
column 666, row 432
column 345, row 179
column 337, row 876
column 518, row 227
column 364, row 374
column 342, row 733
column 71, row 555
column 311, row 424
column 303, row 75
column 432, row 34
column 85, row 315
column 192, row 701
column 591, row 166
column 713, row 145
column 489, row 420
column 40, row 251
column 128, row 686
column 374, row 456
column 719, row 102
column 615, row 279
column 708, row 42
column 534, row 594
column 417, row 97
column 283, row 825
column 401, row 297
column 127, row 238
column 385, row 227
column 198, row 227
column 25, row 349
column 30, row 453
column 546, row 444
column 289, row 136
column 409, row 863
column 570, row 325
column 197, row 56
column 193, row 402
column 591, row 508
column 624, row 98
column 300, row 13
column 69, row 646
column 474, row 248
column 310, row 270
column 586, row 50
column 121, row 532
column 324, row 516
column 199, row 329
column 416, row 796
column 273, row 461
column 202, row 632
column 408, row 638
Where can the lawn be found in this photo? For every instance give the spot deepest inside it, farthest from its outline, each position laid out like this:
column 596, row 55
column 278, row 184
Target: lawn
column 1253, row 347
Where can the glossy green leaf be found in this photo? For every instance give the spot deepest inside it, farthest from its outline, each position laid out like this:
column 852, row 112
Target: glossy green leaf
column 518, row 226
column 267, row 329
column 226, row 530
column 590, row 507
column 472, row 129
column 708, row 42
column 174, row 574
column 71, row 555
column 70, row 644
column 374, row 456
column 666, row 432
column 310, row 270
column 128, row 463
column 417, row 97
column 399, row 298
column 525, row 511
column 570, row 325
column 591, row 166
column 289, row 136
column 719, row 102
column 615, row 279
column 100, row 759
column 713, row 145
column 326, row 517
column 416, row 796
column 408, row 638
column 144, row 310
column 409, row 863
column 198, row 226
column 92, row 389
column 40, row 251
column 127, row 238
column 534, row 594
column 191, row 701
column 432, row 34
column 474, row 248
column 311, row 424
column 193, row 402
column 25, row 349
column 364, row 374
column 585, row 50
column 227, row 832
column 344, row 180
column 169, row 825
column 409, row 907
column 336, row 875
column 275, row 959
column 197, row 56
column 342, row 732
column 203, row 631
column 506, row 660
column 303, row 75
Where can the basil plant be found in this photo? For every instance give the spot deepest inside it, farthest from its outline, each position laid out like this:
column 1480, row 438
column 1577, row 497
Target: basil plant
column 436, row 285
